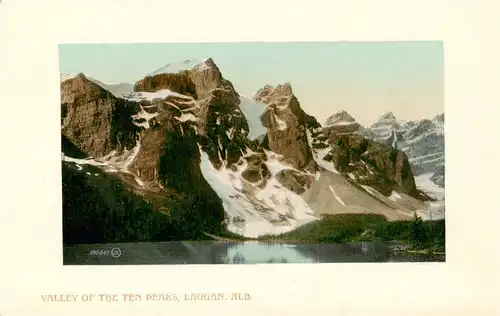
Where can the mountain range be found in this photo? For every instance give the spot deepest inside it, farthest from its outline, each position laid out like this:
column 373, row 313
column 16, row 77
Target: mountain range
column 180, row 154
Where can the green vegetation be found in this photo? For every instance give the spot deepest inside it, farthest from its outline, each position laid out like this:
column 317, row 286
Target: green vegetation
column 100, row 209
column 343, row 228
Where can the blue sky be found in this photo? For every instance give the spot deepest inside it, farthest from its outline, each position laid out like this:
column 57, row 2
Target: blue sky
column 364, row 78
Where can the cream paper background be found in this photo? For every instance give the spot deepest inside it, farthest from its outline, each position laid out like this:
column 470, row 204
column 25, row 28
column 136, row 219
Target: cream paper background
column 31, row 250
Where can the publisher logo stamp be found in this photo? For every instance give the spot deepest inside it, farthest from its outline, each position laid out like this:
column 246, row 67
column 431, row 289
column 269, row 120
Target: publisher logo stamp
column 116, row 252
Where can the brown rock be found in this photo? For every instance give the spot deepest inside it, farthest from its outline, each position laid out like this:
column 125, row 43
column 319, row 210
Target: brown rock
column 95, row 121
column 340, row 123
column 178, row 82
column 287, row 124
column 374, row 164
column 295, row 181
column 256, row 171
column 220, row 123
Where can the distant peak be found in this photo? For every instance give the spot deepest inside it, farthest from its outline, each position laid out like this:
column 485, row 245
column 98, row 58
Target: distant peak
column 285, row 88
column 387, row 116
column 339, row 117
column 439, row 118
column 281, row 90
column 187, row 64
column 208, row 61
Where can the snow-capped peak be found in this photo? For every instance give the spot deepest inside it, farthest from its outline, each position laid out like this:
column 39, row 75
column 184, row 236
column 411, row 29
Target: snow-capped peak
column 387, row 116
column 340, row 118
column 187, row 64
column 439, row 118
column 388, row 122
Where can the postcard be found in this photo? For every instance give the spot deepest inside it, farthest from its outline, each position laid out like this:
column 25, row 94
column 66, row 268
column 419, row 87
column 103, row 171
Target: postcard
column 259, row 158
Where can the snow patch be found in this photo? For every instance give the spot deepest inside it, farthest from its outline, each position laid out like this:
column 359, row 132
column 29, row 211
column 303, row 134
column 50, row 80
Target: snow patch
column 110, row 162
column 230, row 132
column 139, row 182
column 336, row 196
column 425, row 184
column 253, row 110
column 187, row 117
column 281, row 124
column 340, row 123
column 150, row 96
column 319, row 158
column 394, row 196
column 145, row 116
column 395, row 140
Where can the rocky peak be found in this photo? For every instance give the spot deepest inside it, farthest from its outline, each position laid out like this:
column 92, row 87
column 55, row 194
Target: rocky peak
column 387, row 116
column 386, row 123
column 340, row 123
column 341, row 117
column 387, row 129
column 280, row 96
column 287, row 125
column 93, row 120
column 374, row 164
column 439, row 118
column 220, row 122
column 79, row 86
column 194, row 79
column 284, row 89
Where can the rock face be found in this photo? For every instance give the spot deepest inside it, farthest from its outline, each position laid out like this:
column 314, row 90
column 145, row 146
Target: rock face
column 295, row 181
column 256, row 171
column 374, row 164
column 162, row 128
column 422, row 141
column 287, row 125
column 340, row 123
column 219, row 120
column 341, row 146
column 94, row 120
column 438, row 176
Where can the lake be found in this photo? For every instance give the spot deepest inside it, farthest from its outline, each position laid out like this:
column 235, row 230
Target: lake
column 213, row 252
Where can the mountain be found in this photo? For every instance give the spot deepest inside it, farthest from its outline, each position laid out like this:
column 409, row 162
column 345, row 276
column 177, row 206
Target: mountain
column 176, row 67
column 117, row 89
column 180, row 153
column 422, row 141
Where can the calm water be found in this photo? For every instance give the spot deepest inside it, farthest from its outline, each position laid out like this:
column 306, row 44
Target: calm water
column 234, row 253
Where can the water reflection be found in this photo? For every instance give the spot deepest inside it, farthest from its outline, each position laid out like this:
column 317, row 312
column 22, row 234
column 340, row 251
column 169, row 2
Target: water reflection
column 236, row 253
column 261, row 253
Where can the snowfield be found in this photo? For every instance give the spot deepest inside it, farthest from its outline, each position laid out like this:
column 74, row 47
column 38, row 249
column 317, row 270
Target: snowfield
column 252, row 110
column 272, row 210
column 150, row 96
column 188, row 64
column 425, row 184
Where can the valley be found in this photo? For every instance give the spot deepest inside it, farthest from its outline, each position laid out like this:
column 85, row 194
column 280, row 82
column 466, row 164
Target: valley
column 181, row 155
